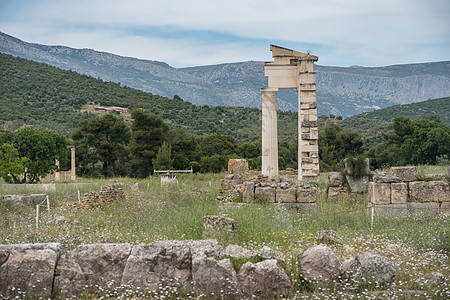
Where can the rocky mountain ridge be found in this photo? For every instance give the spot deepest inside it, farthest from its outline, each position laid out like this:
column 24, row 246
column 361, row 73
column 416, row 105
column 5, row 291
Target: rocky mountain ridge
column 342, row 91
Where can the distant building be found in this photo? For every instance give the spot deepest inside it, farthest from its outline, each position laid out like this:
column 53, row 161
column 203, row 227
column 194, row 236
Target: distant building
column 125, row 112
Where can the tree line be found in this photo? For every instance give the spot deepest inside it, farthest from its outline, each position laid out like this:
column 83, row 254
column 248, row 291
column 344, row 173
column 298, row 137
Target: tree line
column 106, row 146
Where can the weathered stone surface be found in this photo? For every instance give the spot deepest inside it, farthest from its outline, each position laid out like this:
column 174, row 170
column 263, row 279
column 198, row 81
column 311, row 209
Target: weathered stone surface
column 263, row 278
column 237, row 166
column 248, row 192
column 23, row 200
column 212, row 277
column 328, row 237
column 265, row 194
column 168, row 263
column 382, row 177
column 319, row 264
column 335, row 179
column 28, row 267
column 235, row 251
column 289, row 179
column 430, row 279
column 429, row 191
column 285, row 195
column 445, row 207
column 380, row 193
column 307, row 195
column 266, row 253
column 369, row 269
column 392, row 209
column 215, row 226
column 423, row 207
column 340, row 191
column 229, row 182
column 299, row 207
column 357, row 185
column 399, row 193
column 88, row 267
column 406, row 174
column 436, row 177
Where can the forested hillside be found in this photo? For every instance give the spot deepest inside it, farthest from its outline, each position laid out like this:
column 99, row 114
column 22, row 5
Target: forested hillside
column 345, row 91
column 50, row 98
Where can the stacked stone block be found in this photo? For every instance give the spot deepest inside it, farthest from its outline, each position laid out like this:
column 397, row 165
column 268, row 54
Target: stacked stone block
column 308, row 149
column 398, row 191
column 262, row 189
column 108, row 193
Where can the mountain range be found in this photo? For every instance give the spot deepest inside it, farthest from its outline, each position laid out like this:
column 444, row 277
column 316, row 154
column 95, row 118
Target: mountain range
column 342, row 91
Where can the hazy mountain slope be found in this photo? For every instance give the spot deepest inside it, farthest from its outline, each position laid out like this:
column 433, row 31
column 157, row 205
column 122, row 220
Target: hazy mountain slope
column 340, row 91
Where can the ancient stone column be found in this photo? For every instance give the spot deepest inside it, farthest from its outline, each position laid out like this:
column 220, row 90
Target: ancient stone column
column 72, row 163
column 308, row 149
column 269, row 132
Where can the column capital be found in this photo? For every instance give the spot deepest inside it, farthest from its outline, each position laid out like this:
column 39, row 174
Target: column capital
column 269, row 91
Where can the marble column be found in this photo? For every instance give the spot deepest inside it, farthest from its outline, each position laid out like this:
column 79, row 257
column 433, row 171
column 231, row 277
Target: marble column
column 72, row 163
column 269, row 132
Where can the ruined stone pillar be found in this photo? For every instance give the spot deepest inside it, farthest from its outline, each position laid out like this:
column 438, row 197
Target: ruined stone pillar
column 308, row 133
column 269, row 132
column 72, row 163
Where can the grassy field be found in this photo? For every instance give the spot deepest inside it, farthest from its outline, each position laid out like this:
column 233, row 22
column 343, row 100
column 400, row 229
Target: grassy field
column 418, row 244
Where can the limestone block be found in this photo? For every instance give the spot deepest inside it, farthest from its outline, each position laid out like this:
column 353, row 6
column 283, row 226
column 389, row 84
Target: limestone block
column 88, row 268
column 28, row 268
column 337, row 191
column 369, row 268
column 335, row 179
column 399, row 193
column 382, row 177
column 299, row 207
column 237, row 166
column 380, row 193
column 392, row 209
column 429, row 191
column 309, row 124
column 307, row 195
column 445, row 207
column 319, row 264
column 265, row 278
column 285, row 195
column 214, row 277
column 406, row 174
column 265, row 194
column 248, row 192
column 423, row 207
column 216, row 226
column 357, row 185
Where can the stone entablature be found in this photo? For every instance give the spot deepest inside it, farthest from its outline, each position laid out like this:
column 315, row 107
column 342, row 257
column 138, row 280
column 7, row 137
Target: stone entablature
column 291, row 70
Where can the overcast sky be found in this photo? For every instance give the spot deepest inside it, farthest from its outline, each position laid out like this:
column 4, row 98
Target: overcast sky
column 200, row 32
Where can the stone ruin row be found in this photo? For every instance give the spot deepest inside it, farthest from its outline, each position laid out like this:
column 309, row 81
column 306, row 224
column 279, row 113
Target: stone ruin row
column 108, row 193
column 262, row 189
column 200, row 267
column 399, row 191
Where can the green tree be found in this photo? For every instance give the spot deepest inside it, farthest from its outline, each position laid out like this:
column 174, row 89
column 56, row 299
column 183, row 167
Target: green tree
column 413, row 142
column 148, row 134
column 184, row 148
column 335, row 143
column 213, row 144
column 41, row 148
column 11, row 165
column 101, row 145
column 163, row 160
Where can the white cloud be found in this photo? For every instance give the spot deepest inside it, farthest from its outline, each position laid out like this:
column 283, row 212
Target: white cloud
column 341, row 32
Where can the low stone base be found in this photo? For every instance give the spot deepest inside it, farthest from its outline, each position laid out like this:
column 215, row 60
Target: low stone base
column 299, row 207
column 424, row 208
column 392, row 210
